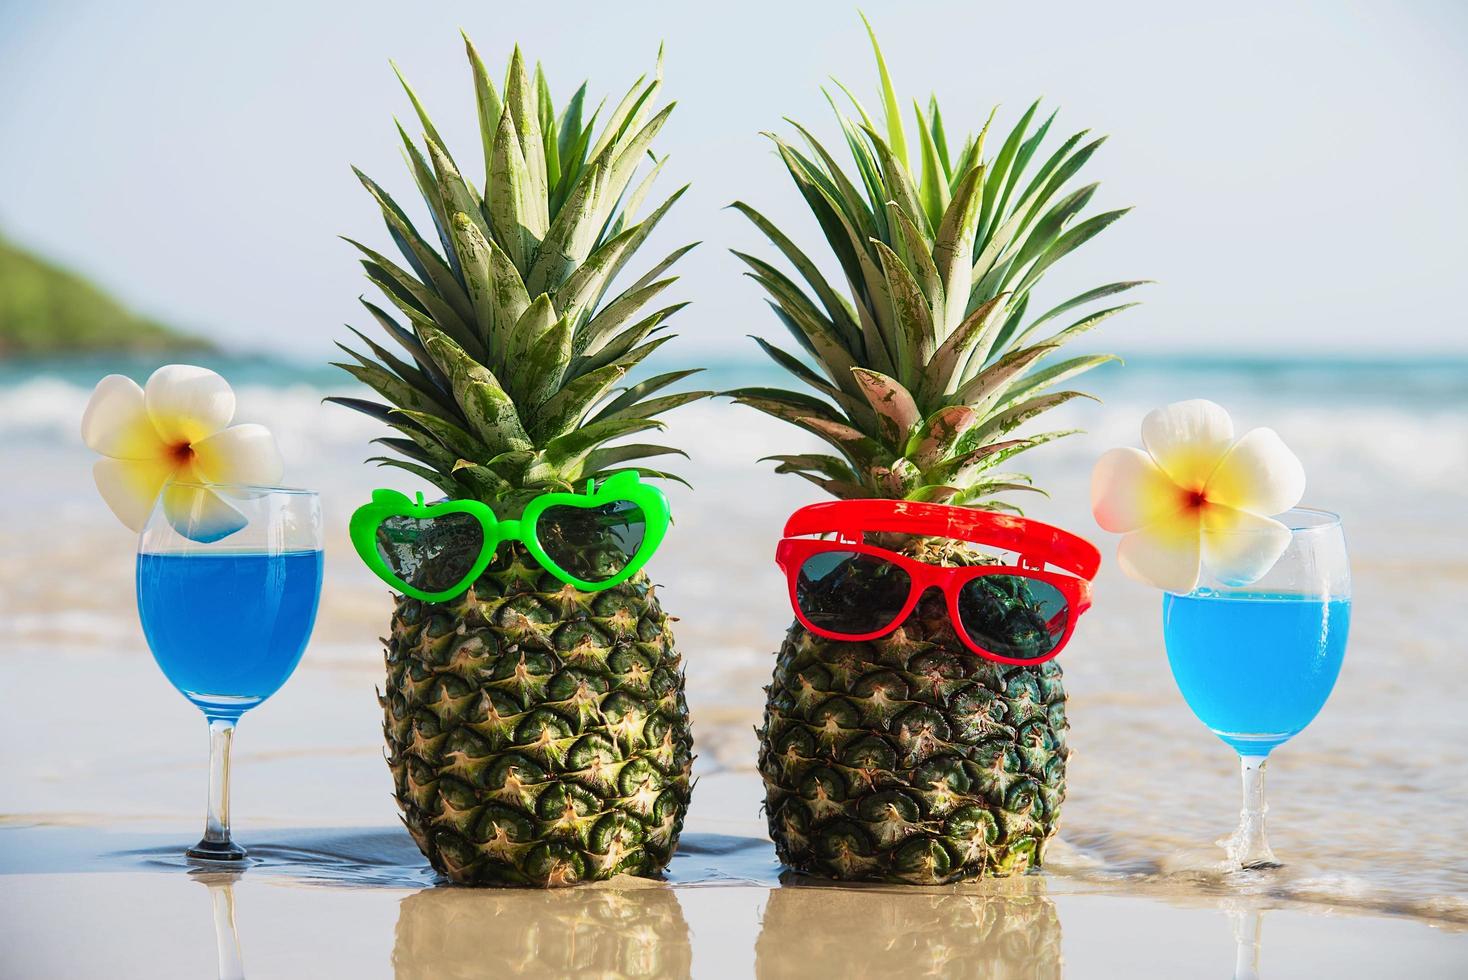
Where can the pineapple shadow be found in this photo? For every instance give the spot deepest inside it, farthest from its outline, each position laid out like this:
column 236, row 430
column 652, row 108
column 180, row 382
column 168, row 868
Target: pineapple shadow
column 990, row 929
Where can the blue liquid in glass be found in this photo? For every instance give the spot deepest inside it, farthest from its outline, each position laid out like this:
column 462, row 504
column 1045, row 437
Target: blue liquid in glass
column 1255, row 668
column 228, row 629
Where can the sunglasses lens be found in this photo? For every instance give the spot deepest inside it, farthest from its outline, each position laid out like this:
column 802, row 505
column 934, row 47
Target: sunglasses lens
column 592, row 543
column 1013, row 616
column 434, row 554
column 850, row 592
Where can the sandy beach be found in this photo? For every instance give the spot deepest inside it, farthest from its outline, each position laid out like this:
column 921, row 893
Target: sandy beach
column 410, row 269
column 105, row 763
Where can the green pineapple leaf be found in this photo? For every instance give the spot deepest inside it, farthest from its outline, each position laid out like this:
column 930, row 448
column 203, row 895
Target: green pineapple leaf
column 512, row 313
column 941, row 243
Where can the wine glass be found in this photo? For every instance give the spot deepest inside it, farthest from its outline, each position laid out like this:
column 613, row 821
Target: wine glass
column 1257, row 662
column 228, row 581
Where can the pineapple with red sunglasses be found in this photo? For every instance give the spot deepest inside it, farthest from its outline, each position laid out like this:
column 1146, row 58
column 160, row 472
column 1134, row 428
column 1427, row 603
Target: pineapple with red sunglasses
column 844, row 588
column 915, row 727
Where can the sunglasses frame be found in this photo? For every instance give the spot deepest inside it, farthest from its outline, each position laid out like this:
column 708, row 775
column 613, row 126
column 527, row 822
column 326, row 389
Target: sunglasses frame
column 626, row 485
column 1037, row 545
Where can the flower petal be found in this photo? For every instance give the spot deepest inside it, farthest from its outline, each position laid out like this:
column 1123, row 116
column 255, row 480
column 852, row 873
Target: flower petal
column 187, row 403
column 116, row 422
column 1259, row 474
column 130, row 486
column 1129, row 490
column 243, row 453
column 1187, row 439
column 1165, row 553
column 1240, row 547
column 200, row 514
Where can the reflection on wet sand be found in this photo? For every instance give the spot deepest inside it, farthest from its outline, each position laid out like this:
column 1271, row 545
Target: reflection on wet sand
column 448, row 933
column 1248, row 944
column 226, row 930
column 630, row 927
column 351, row 902
column 853, row 932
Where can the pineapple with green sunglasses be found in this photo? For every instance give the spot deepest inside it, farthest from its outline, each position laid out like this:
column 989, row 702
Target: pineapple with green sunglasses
column 536, row 728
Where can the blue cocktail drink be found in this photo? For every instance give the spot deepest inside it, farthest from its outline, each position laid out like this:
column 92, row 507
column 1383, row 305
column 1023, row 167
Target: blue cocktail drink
column 228, row 628
column 228, row 582
column 1257, row 660
column 1255, row 667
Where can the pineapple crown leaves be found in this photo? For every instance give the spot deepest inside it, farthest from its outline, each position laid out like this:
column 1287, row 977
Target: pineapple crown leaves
column 923, row 370
column 515, row 352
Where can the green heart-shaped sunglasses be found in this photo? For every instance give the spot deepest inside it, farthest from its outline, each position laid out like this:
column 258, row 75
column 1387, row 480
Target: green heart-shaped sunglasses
column 435, row 551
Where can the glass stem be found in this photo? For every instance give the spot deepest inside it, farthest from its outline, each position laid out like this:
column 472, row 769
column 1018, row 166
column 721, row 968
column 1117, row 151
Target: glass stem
column 1249, row 848
column 216, row 822
column 216, row 844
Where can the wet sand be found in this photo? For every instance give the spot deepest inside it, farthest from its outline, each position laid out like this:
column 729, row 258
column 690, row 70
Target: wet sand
column 96, row 824
column 358, row 903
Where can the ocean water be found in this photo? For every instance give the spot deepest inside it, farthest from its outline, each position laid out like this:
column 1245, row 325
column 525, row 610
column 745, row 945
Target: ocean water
column 1369, row 804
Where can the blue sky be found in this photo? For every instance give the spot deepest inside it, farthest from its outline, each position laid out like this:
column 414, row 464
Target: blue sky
column 1296, row 168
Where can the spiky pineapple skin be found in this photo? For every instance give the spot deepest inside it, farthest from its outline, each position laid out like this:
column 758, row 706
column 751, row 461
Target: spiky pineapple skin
column 538, row 735
column 908, row 758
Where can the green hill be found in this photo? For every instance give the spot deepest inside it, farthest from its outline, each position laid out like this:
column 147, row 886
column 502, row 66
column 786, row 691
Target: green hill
column 45, row 309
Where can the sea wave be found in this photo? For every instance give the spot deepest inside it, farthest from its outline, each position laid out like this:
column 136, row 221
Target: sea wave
column 1368, row 444
column 48, row 409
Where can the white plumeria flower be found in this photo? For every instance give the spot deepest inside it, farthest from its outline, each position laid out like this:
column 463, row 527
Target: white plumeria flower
column 1181, row 504
column 170, row 434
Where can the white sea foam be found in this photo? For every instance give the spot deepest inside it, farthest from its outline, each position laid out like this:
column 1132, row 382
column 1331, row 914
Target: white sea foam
column 42, row 408
column 1370, row 451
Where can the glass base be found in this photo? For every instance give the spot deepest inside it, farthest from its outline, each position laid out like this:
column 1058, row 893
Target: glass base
column 217, row 850
column 1253, row 743
column 228, row 707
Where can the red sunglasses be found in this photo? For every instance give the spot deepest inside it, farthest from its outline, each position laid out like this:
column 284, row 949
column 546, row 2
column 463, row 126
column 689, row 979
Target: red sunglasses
column 844, row 589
